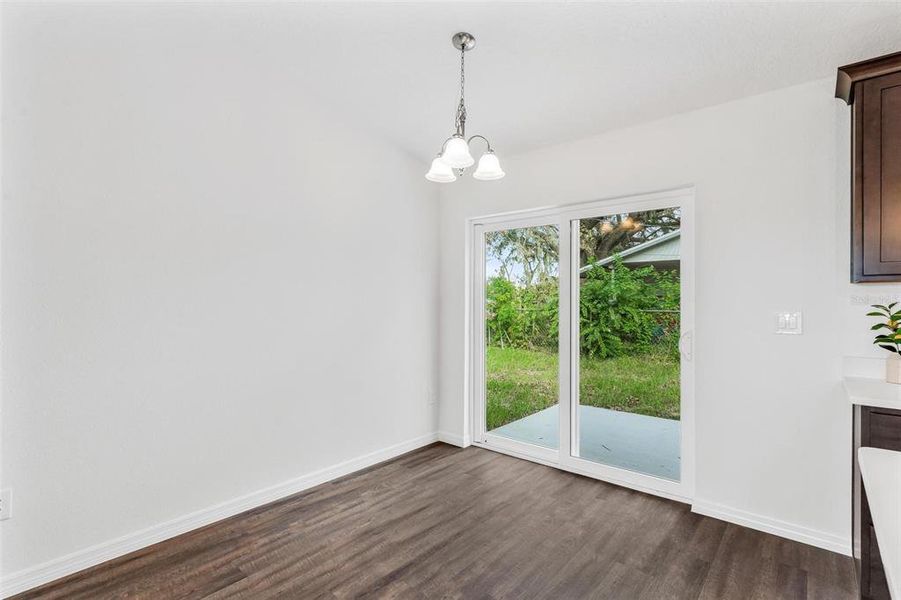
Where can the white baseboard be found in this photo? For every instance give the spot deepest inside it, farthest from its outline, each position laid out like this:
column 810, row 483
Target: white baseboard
column 813, row 537
column 94, row 555
column 452, row 438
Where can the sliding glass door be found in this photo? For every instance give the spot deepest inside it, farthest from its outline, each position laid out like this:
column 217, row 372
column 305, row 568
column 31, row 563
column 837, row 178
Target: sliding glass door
column 581, row 339
column 627, row 288
column 520, row 292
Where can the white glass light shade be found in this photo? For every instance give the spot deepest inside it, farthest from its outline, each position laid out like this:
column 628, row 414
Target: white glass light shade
column 489, row 168
column 456, row 153
column 440, row 172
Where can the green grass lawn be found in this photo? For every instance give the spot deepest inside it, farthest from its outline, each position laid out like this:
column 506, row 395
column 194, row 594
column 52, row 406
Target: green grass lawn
column 522, row 382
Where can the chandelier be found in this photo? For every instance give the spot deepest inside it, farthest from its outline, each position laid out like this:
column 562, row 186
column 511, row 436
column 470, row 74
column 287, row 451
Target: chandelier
column 455, row 156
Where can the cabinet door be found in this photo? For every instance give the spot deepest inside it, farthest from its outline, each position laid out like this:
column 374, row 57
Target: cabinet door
column 885, row 429
column 877, row 189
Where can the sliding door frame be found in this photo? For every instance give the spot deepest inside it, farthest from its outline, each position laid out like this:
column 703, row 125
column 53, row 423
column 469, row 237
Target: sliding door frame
column 480, row 435
column 566, row 217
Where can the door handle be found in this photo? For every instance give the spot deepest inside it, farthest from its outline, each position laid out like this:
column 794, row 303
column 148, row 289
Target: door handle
column 686, row 345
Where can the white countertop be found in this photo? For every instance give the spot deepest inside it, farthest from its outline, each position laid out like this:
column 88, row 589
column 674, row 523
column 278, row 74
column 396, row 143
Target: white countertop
column 873, row 392
column 881, row 473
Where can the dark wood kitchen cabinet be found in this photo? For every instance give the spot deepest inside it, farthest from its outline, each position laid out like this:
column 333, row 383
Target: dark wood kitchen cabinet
column 873, row 89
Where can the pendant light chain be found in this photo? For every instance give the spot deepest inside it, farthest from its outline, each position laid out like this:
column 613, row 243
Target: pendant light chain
column 460, row 121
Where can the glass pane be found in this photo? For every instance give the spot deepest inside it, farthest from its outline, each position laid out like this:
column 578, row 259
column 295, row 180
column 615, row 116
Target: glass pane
column 521, row 299
column 629, row 361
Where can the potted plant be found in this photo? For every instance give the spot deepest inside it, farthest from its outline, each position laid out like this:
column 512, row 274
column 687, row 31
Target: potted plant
column 889, row 338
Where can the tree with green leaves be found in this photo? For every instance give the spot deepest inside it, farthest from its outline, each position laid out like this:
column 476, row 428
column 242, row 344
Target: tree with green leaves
column 526, row 255
column 602, row 237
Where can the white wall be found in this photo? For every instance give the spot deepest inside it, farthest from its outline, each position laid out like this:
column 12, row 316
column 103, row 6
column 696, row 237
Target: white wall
column 210, row 284
column 771, row 177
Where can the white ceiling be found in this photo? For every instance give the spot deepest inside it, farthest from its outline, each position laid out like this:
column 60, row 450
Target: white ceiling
column 541, row 73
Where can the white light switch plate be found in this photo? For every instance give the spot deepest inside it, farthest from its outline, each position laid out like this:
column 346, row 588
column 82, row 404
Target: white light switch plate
column 789, row 323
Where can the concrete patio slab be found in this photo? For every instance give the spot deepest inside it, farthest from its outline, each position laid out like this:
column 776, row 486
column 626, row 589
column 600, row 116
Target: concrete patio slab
column 640, row 443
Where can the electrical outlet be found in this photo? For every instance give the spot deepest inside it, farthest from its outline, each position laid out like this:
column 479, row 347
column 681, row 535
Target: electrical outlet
column 6, row 506
column 430, row 396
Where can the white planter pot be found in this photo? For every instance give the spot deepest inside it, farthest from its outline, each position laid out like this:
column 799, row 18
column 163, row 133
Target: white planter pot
column 893, row 369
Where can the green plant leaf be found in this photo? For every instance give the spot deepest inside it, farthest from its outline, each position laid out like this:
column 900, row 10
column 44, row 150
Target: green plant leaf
column 877, row 314
column 889, row 348
column 879, row 326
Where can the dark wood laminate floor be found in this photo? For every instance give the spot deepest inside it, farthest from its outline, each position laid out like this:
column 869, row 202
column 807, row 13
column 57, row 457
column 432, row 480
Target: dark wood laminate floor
column 442, row 522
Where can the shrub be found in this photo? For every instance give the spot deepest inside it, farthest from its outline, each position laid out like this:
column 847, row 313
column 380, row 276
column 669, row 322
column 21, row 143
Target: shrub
column 621, row 311
column 522, row 317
